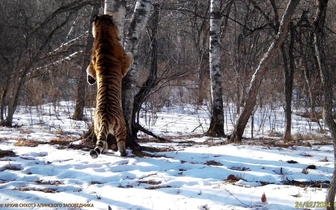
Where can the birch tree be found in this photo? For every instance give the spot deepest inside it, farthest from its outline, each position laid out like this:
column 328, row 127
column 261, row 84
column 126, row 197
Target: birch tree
column 138, row 22
column 261, row 70
column 117, row 8
column 217, row 116
column 152, row 78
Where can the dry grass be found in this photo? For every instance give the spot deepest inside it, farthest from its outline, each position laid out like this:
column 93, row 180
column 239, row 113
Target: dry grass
column 314, row 137
column 5, row 138
column 154, row 187
column 304, row 184
column 11, row 167
column 45, row 190
column 26, row 131
column 275, row 143
column 96, row 182
column 126, row 186
column 27, row 143
column 3, row 181
column 237, row 168
column 232, row 179
column 7, row 153
column 213, row 163
column 48, row 182
column 63, row 141
column 150, row 182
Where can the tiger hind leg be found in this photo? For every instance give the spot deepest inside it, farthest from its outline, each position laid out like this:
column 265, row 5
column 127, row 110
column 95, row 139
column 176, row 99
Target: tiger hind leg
column 121, row 142
column 101, row 146
column 122, row 147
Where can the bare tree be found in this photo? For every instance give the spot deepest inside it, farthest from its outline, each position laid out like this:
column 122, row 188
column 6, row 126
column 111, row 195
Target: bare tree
column 138, row 22
column 327, row 80
column 32, row 36
column 289, row 79
column 261, row 71
column 151, row 81
column 81, row 87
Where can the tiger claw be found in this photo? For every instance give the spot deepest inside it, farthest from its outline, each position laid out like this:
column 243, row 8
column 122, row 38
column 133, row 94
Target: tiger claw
column 94, row 154
column 123, row 153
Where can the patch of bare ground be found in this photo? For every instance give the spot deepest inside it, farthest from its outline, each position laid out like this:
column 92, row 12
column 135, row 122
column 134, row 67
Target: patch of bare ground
column 155, row 187
column 5, row 138
column 11, row 167
column 26, row 131
column 3, row 181
column 96, row 182
column 7, row 153
column 148, row 152
column 27, row 143
column 48, row 182
column 232, row 179
column 237, row 168
column 126, row 186
column 45, row 190
column 63, row 141
column 304, row 184
column 213, row 163
column 150, row 182
column 274, row 140
column 276, row 143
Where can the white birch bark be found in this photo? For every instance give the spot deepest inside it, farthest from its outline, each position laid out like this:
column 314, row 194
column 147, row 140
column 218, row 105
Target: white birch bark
column 117, row 9
column 137, row 25
column 138, row 22
column 216, row 78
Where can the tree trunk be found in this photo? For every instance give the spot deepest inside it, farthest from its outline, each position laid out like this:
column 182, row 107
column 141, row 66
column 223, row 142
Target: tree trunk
column 82, row 84
column 137, row 25
column 152, row 77
column 138, row 22
column 261, row 71
column 3, row 102
column 217, row 116
column 117, row 9
column 289, row 78
column 13, row 100
column 308, row 65
column 139, row 19
column 327, row 83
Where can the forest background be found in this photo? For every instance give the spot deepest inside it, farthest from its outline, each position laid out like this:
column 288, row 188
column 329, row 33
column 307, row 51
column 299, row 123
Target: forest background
column 45, row 47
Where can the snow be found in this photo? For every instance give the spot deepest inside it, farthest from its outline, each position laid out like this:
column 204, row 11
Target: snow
column 192, row 176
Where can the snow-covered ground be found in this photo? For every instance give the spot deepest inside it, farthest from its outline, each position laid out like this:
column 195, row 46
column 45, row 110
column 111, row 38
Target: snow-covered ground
column 193, row 172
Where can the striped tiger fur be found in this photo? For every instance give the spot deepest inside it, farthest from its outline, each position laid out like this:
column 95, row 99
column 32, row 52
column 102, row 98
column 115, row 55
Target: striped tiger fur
column 109, row 63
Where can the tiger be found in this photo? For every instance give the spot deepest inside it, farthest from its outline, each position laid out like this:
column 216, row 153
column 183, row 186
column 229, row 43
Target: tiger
column 108, row 65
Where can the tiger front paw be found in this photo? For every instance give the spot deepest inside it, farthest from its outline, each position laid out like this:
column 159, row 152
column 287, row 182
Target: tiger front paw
column 94, row 154
column 123, row 152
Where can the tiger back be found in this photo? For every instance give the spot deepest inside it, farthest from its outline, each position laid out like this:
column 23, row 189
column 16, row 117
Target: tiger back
column 109, row 63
